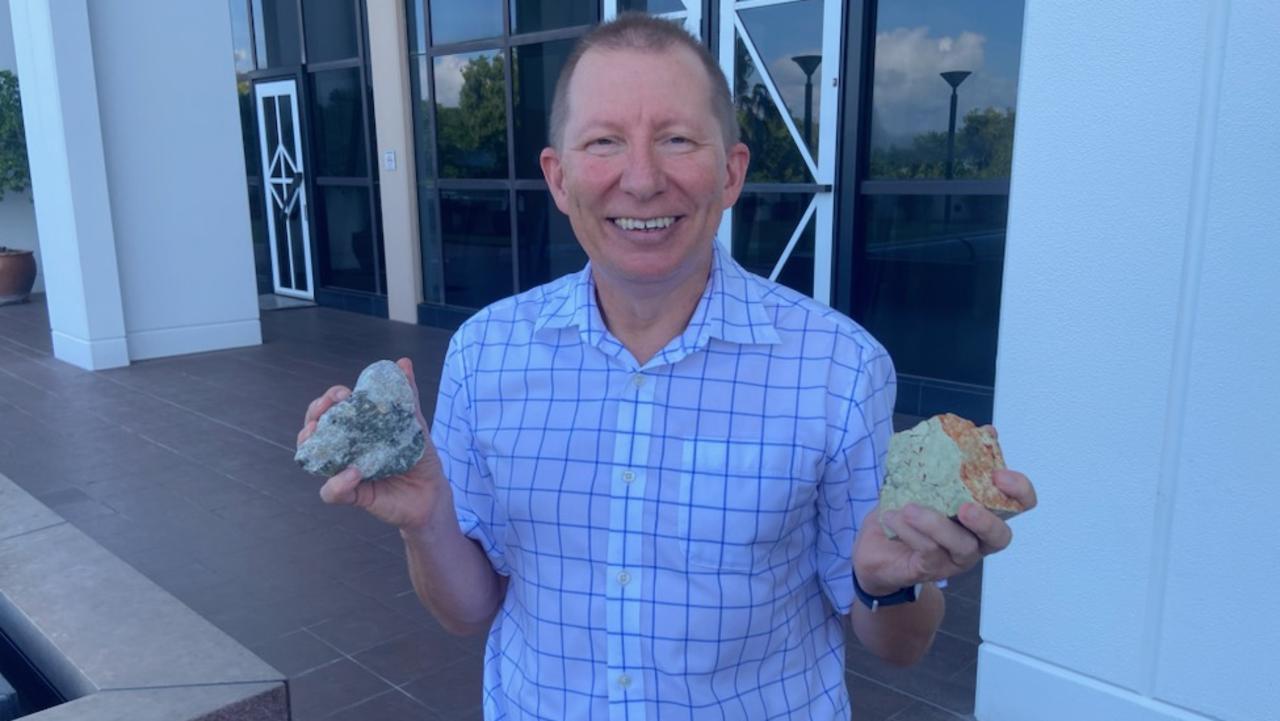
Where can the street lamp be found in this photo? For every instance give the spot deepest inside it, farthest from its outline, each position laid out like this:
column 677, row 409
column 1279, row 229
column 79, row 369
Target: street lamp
column 808, row 64
column 953, row 78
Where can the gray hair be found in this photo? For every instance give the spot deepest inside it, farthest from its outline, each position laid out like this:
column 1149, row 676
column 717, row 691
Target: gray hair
column 639, row 31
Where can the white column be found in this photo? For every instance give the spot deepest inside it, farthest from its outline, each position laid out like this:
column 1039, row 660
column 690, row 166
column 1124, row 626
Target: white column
column 393, row 115
column 68, row 174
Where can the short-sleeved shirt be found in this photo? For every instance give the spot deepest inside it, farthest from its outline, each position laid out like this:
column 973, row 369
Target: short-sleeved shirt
column 678, row 535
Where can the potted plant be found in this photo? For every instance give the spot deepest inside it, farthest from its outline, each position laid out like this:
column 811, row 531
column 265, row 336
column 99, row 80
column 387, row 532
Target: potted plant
column 17, row 267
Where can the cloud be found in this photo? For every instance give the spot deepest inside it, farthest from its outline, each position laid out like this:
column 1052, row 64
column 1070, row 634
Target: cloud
column 448, row 70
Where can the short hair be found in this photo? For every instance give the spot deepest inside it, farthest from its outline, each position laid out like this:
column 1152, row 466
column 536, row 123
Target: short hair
column 639, row 31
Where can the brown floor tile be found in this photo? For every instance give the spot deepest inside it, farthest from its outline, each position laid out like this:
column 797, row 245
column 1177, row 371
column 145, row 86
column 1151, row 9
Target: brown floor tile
column 334, row 686
column 390, row 706
column 452, row 692
column 293, row 654
column 411, row 656
column 364, row 627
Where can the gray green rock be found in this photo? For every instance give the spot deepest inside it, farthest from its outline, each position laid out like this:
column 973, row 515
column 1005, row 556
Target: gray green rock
column 374, row 429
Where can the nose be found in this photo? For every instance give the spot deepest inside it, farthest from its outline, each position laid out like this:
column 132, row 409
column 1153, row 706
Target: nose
column 643, row 176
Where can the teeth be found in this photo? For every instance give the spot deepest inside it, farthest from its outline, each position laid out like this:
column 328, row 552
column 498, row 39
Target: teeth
column 643, row 224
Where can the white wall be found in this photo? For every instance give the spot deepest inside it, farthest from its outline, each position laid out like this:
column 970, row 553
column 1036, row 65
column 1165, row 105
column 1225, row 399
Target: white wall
column 1138, row 377
column 17, row 214
column 175, row 166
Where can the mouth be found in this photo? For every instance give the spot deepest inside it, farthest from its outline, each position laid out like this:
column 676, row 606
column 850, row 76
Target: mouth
column 645, row 225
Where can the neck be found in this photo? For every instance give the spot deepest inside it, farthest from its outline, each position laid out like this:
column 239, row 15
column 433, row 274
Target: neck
column 646, row 316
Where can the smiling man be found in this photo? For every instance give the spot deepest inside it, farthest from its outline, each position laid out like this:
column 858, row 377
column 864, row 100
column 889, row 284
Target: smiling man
column 655, row 480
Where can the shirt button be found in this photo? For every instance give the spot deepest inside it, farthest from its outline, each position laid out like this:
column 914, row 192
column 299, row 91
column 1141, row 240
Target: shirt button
column 623, row 578
column 624, row 681
column 628, row 476
column 637, row 380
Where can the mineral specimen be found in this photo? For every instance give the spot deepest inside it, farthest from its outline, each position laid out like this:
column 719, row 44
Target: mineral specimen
column 943, row 463
column 374, row 429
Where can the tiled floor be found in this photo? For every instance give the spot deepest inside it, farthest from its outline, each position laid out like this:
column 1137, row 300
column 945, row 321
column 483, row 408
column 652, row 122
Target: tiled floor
column 183, row 467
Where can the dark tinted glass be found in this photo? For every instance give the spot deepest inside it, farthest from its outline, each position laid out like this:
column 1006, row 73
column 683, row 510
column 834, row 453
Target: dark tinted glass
column 416, row 17
column 548, row 248
column 911, row 126
column 652, row 6
column 762, row 225
column 789, row 40
column 261, row 248
column 423, row 134
column 249, row 130
column 471, row 112
column 476, row 245
column 454, row 21
column 331, row 29
column 930, row 281
column 529, row 16
column 276, row 34
column 335, row 116
column 429, row 232
column 241, row 40
column 344, row 236
column 534, row 72
column 775, row 157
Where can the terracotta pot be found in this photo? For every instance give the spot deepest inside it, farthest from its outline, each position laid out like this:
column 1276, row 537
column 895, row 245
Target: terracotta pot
column 17, row 275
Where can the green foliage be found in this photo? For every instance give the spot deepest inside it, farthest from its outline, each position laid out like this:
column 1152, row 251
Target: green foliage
column 983, row 150
column 15, row 174
column 473, row 135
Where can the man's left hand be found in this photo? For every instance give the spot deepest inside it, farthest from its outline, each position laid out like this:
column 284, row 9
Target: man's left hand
column 930, row 546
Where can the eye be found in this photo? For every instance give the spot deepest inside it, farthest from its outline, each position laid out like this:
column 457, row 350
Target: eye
column 679, row 140
column 602, row 143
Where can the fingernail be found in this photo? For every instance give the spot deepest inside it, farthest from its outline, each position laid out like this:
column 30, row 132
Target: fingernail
column 342, row 394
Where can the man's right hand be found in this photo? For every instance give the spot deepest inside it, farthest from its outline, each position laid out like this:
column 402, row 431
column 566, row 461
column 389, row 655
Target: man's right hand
column 407, row 501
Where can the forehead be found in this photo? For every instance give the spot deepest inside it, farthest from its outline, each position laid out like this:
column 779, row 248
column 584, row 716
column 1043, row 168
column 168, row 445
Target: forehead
column 628, row 83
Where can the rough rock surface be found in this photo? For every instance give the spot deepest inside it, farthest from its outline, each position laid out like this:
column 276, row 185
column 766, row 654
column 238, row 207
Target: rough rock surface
column 942, row 463
column 374, row 429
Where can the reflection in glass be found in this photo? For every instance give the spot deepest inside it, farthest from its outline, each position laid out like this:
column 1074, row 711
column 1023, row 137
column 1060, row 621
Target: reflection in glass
column 548, row 247
column 911, row 123
column 241, row 40
column 344, row 237
column 929, row 287
column 789, row 40
column 275, row 24
column 528, row 16
column 471, row 112
column 249, row 130
column 476, row 245
column 336, row 118
column 653, row 7
column 454, row 21
column 330, row 30
column 534, row 71
column 423, row 134
column 428, row 231
column 416, row 18
column 775, row 157
column 258, row 231
column 762, row 225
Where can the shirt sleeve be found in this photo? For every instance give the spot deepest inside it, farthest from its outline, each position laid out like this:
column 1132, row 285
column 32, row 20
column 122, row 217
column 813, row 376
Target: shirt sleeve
column 452, row 431
column 861, row 399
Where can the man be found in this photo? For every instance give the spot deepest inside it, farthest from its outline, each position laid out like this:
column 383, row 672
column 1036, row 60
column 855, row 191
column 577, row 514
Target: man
column 654, row 480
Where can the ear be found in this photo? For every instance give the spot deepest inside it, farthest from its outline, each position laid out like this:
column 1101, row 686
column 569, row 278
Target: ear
column 553, row 171
column 737, row 158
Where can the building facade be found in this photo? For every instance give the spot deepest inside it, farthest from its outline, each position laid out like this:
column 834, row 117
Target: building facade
column 881, row 137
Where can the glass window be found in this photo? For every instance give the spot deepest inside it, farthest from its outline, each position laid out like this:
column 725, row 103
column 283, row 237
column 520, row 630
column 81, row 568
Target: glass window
column 339, row 133
column 471, row 112
column 775, row 157
column 241, row 39
column 548, row 247
column 789, row 40
column 930, row 278
column 762, row 226
column 423, row 133
column 528, row 16
column 476, row 246
column 429, row 232
column 454, row 21
column 249, row 130
column 344, row 236
column 276, row 32
column 928, row 53
column 534, row 71
column 416, row 17
column 331, row 30
column 652, row 6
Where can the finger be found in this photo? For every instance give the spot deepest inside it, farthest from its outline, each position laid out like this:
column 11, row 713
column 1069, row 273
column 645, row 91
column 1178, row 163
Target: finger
column 961, row 546
column 323, row 403
column 406, row 365
column 993, row 534
column 907, row 533
column 1017, row 486
column 991, row 429
column 306, row 432
column 341, row 489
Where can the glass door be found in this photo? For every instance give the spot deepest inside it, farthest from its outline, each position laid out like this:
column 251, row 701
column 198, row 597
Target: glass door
column 284, row 188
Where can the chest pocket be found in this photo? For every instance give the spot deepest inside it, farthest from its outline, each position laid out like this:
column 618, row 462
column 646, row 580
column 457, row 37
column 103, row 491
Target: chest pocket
column 738, row 504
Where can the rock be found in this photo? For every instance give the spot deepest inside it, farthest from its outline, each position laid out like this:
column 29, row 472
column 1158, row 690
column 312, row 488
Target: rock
column 374, row 429
column 942, row 463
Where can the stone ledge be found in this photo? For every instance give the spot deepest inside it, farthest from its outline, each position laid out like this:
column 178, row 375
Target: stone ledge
column 110, row 640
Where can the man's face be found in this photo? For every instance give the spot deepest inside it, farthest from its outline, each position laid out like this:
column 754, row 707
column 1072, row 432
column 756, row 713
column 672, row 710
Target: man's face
column 643, row 173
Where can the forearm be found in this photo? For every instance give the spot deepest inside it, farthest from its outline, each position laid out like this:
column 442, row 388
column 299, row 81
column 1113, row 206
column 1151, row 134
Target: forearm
column 451, row 574
column 901, row 634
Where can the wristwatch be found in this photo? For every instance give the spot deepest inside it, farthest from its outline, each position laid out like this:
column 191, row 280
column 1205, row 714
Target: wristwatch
column 907, row 594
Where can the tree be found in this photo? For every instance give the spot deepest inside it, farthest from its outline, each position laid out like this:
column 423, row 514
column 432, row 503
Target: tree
column 473, row 135
column 15, row 173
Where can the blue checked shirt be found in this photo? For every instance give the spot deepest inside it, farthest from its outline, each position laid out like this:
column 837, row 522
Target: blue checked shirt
column 678, row 535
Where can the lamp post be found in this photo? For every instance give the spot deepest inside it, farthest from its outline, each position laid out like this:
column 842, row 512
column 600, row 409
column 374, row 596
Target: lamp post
column 953, row 78
column 808, row 64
